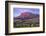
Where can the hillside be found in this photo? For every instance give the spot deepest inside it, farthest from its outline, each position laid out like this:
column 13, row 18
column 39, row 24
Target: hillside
column 26, row 20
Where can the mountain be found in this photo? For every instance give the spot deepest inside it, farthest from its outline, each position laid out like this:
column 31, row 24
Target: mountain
column 27, row 15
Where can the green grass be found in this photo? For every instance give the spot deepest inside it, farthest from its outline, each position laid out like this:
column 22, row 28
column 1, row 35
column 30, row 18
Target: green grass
column 25, row 23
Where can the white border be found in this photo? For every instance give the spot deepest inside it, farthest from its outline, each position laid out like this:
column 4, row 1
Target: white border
column 13, row 30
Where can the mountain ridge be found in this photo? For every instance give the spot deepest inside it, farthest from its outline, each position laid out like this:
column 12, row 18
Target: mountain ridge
column 26, row 15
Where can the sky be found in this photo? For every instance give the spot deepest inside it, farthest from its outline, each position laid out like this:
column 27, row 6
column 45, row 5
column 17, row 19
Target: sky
column 18, row 11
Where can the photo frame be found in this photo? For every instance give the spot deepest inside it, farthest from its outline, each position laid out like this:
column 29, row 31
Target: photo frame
column 24, row 17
